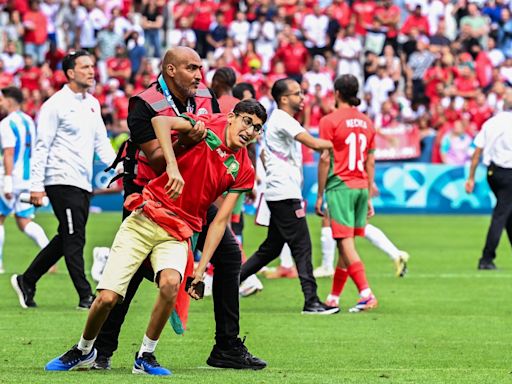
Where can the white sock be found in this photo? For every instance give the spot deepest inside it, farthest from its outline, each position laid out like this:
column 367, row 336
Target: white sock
column 85, row 345
column 286, row 257
column 328, row 247
column 147, row 345
column 333, row 297
column 381, row 241
column 365, row 292
column 2, row 240
column 36, row 233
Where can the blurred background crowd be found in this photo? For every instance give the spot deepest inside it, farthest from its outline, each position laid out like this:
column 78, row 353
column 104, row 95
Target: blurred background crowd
column 435, row 69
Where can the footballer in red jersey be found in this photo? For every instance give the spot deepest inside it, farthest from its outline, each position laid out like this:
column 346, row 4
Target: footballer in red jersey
column 347, row 178
column 171, row 208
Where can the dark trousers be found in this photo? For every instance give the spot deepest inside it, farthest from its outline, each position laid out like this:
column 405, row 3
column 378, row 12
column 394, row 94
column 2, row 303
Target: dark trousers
column 287, row 225
column 227, row 260
column 71, row 207
column 500, row 181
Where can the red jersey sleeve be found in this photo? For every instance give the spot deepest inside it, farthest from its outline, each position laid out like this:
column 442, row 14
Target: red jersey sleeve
column 215, row 122
column 244, row 180
column 326, row 129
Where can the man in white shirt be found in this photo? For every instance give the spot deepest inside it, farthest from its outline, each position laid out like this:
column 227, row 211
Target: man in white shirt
column 70, row 132
column 17, row 139
column 494, row 142
column 283, row 164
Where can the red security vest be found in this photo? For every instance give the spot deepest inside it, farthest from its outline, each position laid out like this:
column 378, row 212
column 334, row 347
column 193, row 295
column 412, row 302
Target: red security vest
column 157, row 102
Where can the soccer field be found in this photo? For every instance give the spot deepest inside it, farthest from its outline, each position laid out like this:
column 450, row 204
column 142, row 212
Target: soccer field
column 445, row 322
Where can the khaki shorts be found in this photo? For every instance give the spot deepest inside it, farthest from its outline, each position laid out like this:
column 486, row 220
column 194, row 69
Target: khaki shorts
column 137, row 237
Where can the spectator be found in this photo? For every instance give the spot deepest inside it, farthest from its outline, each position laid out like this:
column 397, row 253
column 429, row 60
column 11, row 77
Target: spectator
column 455, row 145
column 319, row 76
column 218, row 33
column 314, row 28
column 152, row 22
column 73, row 16
column 36, row 32
column 119, row 66
column 93, row 22
column 348, row 49
column 12, row 60
column 183, row 35
column 294, row 55
column 388, row 15
column 418, row 21
column 136, row 53
column 29, row 75
column 418, row 64
column 264, row 33
column 474, row 25
column 204, row 11
column 13, row 30
column 239, row 30
column 377, row 89
column 364, row 12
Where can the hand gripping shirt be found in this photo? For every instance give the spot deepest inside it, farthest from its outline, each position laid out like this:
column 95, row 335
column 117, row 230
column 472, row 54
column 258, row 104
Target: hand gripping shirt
column 209, row 169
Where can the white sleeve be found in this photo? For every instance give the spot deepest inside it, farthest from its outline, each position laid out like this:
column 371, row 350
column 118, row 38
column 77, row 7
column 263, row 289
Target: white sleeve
column 480, row 138
column 7, row 138
column 47, row 124
column 102, row 145
column 293, row 128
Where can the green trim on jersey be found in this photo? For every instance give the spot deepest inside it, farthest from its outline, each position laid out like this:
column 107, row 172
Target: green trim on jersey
column 333, row 180
column 233, row 166
column 239, row 190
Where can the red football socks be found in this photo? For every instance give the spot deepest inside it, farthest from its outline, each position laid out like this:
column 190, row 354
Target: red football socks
column 338, row 281
column 358, row 275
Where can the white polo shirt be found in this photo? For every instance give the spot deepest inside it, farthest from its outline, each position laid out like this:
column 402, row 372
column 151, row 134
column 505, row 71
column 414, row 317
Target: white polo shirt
column 283, row 155
column 495, row 139
column 69, row 131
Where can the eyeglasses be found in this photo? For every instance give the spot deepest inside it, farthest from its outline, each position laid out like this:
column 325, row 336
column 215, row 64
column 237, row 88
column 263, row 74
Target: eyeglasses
column 298, row 93
column 248, row 123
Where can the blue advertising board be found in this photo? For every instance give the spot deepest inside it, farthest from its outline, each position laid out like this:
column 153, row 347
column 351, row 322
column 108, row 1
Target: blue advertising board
column 405, row 187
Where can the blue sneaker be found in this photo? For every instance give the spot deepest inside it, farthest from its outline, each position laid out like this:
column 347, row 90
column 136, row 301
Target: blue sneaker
column 72, row 359
column 147, row 365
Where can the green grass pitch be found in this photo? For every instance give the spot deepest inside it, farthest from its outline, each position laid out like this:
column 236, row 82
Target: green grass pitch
column 445, row 322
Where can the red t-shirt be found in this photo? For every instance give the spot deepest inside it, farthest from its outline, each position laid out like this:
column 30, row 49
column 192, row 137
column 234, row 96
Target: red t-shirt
column 386, row 14
column 341, row 12
column 119, row 64
column 418, row 22
column 29, row 78
column 353, row 138
column 39, row 34
column 294, row 57
column 121, row 107
column 204, row 13
column 364, row 12
column 209, row 169
column 6, row 80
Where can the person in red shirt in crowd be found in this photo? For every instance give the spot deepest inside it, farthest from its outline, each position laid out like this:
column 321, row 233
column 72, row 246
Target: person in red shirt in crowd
column 59, row 79
column 120, row 108
column 204, row 10
column 436, row 75
column 182, row 9
column 249, row 55
column 480, row 111
column 119, row 67
column 173, row 210
column 29, row 75
column 6, row 79
column 255, row 77
column 32, row 102
column 294, row 55
column 347, row 176
column 278, row 73
column 54, row 56
column 363, row 14
column 341, row 12
column 223, row 82
column 388, row 15
column 417, row 21
column 483, row 65
column 36, row 32
column 465, row 84
column 228, row 9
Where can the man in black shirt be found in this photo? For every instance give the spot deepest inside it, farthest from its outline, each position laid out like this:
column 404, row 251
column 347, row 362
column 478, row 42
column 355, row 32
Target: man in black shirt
column 180, row 86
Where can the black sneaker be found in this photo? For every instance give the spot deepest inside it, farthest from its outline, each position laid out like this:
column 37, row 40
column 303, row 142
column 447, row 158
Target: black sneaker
column 236, row 356
column 102, row 362
column 486, row 265
column 25, row 294
column 319, row 308
column 86, row 302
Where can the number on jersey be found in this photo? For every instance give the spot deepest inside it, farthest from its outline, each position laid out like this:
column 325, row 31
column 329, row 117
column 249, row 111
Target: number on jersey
column 356, row 142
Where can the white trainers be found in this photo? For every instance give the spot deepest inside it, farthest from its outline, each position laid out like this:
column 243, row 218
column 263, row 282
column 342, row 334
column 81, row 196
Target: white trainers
column 323, row 271
column 250, row 286
column 208, row 283
column 100, row 257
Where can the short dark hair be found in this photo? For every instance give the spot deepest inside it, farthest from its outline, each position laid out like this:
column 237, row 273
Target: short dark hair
column 251, row 107
column 69, row 60
column 240, row 88
column 13, row 93
column 348, row 87
column 223, row 79
column 279, row 88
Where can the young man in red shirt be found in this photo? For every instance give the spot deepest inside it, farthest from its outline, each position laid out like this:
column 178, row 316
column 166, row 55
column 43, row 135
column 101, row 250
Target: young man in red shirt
column 347, row 176
column 165, row 217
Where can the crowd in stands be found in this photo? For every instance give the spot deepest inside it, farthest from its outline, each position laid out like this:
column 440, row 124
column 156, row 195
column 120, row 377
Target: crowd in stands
column 440, row 65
